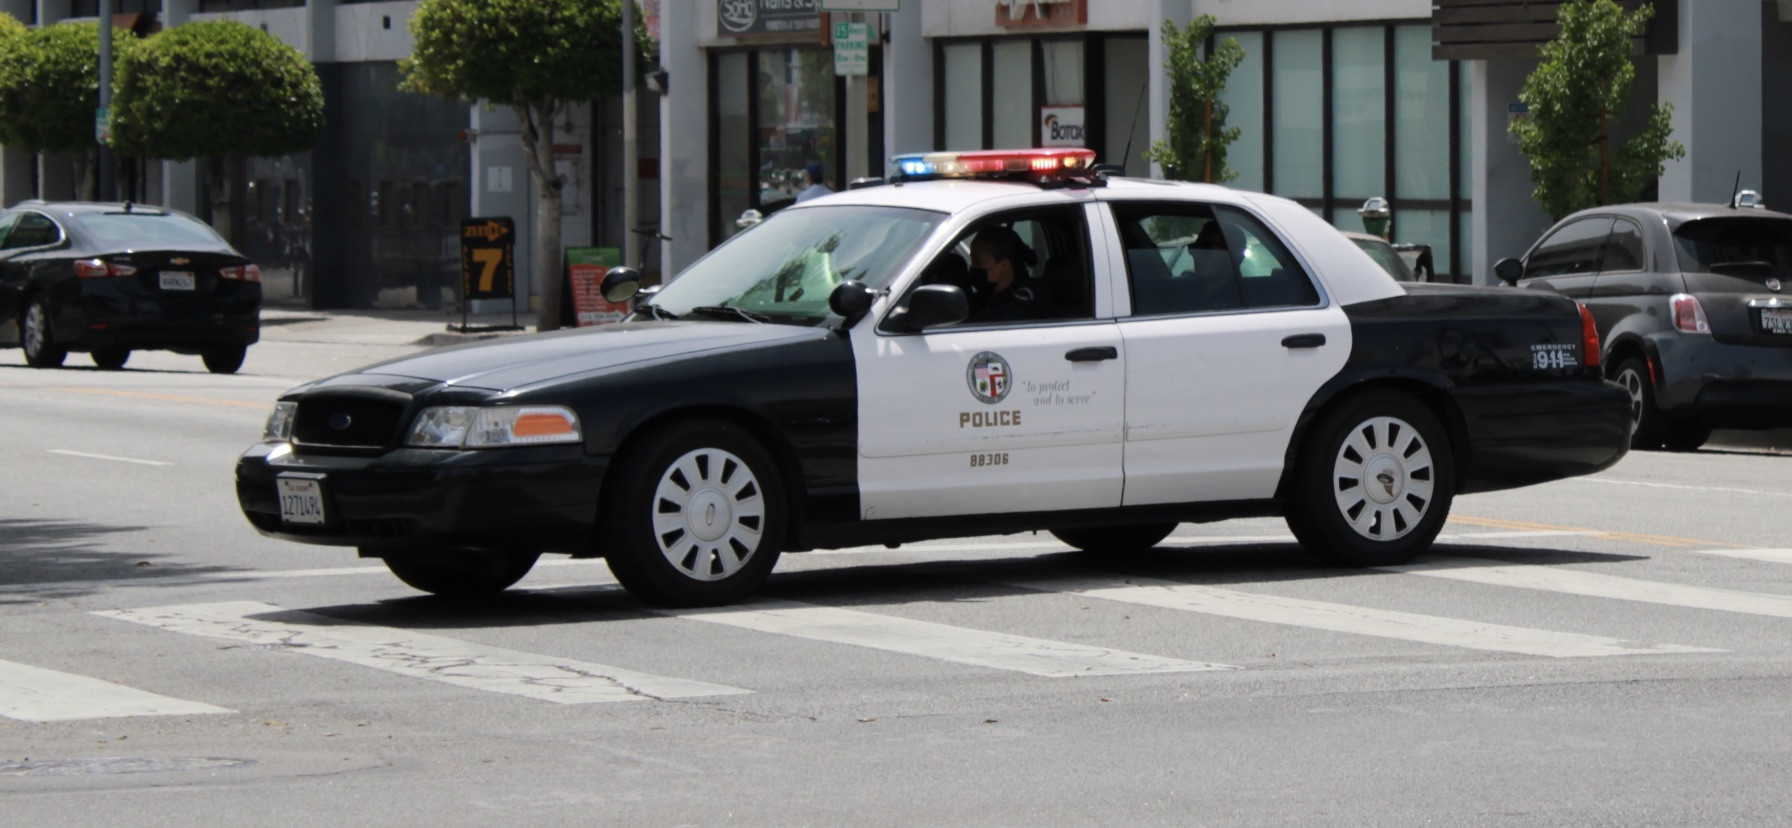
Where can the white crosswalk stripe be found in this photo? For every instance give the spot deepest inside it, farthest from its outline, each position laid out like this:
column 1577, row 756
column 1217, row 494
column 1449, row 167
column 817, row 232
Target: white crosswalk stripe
column 1783, row 556
column 978, row 648
column 1322, row 615
column 1600, row 585
column 34, row 694
column 418, row 655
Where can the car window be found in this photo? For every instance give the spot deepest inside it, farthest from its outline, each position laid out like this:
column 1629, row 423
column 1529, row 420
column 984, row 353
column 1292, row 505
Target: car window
column 1623, row 248
column 6, row 224
column 33, row 230
column 1191, row 258
column 147, row 229
column 1572, row 248
column 1736, row 246
column 785, row 267
column 1385, row 255
column 1047, row 272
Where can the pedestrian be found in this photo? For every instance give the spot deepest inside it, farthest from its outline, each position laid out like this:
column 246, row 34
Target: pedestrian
column 813, row 175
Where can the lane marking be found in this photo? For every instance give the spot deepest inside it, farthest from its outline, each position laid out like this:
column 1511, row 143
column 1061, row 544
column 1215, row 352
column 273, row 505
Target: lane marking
column 419, row 655
column 141, row 395
column 961, row 645
column 91, row 456
column 1323, row 615
column 1783, row 556
column 1598, row 585
column 1633, row 537
column 1683, row 487
column 34, row 694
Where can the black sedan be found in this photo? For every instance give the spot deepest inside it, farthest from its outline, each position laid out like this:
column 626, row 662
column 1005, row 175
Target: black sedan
column 1692, row 307
column 1053, row 350
column 109, row 279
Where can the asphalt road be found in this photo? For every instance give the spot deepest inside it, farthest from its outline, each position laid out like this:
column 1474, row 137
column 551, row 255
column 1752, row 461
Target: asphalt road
column 1606, row 650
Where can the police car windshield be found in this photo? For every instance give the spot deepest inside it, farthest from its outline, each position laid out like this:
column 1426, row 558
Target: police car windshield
column 784, row 268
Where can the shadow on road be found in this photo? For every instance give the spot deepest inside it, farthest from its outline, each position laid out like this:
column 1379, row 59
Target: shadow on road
column 42, row 559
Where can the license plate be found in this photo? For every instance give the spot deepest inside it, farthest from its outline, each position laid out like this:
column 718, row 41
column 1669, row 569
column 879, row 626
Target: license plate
column 177, row 280
column 1776, row 320
column 301, row 499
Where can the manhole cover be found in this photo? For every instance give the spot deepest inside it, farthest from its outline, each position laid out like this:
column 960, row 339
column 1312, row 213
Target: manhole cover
column 122, row 764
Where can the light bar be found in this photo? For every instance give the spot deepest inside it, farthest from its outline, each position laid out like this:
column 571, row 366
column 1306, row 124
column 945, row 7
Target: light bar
column 1057, row 162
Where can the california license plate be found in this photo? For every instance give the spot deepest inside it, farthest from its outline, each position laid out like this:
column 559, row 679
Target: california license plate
column 177, row 280
column 301, row 500
column 1776, row 320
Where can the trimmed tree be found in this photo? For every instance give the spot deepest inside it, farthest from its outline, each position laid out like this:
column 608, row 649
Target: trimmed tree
column 537, row 57
column 1198, row 137
column 1573, row 98
column 221, row 90
column 50, row 88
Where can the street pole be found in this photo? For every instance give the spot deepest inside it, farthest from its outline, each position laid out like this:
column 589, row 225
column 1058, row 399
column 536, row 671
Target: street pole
column 631, row 149
column 107, row 187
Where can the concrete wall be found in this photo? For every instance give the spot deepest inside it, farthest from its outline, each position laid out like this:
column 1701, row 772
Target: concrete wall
column 1280, row 12
column 1505, row 219
column 371, row 31
column 1714, row 83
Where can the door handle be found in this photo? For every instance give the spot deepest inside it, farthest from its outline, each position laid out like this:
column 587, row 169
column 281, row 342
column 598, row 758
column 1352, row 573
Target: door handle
column 1096, row 354
column 1309, row 340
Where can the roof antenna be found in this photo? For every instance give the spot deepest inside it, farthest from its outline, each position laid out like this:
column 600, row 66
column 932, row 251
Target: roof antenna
column 1136, row 109
column 1736, row 190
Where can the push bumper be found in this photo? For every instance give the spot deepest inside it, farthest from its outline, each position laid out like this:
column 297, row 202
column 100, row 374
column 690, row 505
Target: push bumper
column 1541, row 432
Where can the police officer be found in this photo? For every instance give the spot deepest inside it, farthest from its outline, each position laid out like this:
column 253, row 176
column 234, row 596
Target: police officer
column 999, row 262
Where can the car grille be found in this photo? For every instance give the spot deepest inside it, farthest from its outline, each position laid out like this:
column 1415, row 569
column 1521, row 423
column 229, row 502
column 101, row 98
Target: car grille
column 348, row 422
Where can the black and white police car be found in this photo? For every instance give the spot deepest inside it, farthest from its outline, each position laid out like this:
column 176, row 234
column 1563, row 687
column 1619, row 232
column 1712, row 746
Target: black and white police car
column 838, row 375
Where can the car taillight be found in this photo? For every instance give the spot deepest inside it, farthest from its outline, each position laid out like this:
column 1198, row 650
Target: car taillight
column 1689, row 315
column 242, row 273
column 1589, row 338
column 100, row 269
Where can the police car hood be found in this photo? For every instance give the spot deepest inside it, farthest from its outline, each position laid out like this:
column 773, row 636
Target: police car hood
column 515, row 362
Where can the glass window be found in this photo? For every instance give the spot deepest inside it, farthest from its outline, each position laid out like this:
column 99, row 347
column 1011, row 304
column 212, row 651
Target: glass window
column 1063, row 72
column 1571, row 249
column 1030, row 265
column 1124, row 87
column 1244, row 101
column 1624, row 249
column 734, row 180
column 1427, row 227
column 6, row 223
column 1421, row 117
column 1751, row 247
column 34, row 229
column 796, row 121
column 1011, row 89
column 1299, row 128
column 1268, row 272
column 147, row 228
column 1359, row 112
column 1177, row 260
column 964, row 98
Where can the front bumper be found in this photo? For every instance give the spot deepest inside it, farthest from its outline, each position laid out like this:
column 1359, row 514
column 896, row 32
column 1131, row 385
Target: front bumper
column 1541, row 432
column 524, row 499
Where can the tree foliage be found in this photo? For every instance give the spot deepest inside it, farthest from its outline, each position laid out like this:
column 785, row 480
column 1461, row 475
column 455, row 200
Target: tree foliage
column 537, row 56
column 1573, row 97
column 1198, row 137
column 215, row 88
column 50, row 86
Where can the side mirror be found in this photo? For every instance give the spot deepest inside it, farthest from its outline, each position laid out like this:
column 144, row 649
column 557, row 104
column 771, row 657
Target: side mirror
column 1508, row 271
column 930, row 305
column 851, row 299
column 620, row 284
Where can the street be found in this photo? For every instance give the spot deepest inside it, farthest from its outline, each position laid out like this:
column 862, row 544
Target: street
column 1602, row 650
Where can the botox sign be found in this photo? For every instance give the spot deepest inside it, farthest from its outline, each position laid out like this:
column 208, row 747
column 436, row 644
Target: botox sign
column 1061, row 126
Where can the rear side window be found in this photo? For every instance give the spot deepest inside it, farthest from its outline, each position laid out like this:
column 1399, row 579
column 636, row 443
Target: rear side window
column 33, row 230
column 1735, row 246
column 1575, row 248
column 147, row 229
column 1624, row 249
column 1188, row 258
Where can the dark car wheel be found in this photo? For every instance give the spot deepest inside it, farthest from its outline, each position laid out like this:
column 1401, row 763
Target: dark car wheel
column 695, row 513
column 225, row 360
column 1648, row 426
column 111, row 359
column 1686, row 437
column 1374, row 483
column 461, row 574
column 1115, row 540
column 41, row 350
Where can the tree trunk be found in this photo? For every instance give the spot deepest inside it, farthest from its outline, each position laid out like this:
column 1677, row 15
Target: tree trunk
column 538, row 148
column 86, row 183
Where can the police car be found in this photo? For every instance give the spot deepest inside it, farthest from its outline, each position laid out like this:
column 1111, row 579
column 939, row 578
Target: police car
column 830, row 377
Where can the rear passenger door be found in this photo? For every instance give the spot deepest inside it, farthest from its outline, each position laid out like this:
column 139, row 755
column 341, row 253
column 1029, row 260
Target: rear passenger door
column 1227, row 339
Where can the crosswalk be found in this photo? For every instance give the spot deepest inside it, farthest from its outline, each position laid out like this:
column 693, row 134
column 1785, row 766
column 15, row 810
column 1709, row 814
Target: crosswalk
column 995, row 642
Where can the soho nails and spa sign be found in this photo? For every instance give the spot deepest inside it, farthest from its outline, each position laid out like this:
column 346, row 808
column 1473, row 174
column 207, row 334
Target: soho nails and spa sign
column 768, row 17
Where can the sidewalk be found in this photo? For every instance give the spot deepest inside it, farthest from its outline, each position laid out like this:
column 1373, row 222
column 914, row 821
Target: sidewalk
column 421, row 328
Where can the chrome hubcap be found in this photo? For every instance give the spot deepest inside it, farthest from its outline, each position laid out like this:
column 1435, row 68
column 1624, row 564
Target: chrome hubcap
column 708, row 514
column 34, row 329
column 1382, row 478
column 1633, row 384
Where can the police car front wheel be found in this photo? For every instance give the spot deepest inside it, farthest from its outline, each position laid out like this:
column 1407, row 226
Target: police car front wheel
column 1375, row 483
column 695, row 515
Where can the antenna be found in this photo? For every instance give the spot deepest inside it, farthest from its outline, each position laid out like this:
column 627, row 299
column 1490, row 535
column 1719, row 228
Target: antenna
column 1736, row 189
column 1136, row 109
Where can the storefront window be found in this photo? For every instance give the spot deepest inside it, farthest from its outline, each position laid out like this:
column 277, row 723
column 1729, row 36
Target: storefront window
column 796, row 121
column 963, row 64
column 1244, row 104
column 1063, row 72
column 1298, row 127
column 1124, row 85
column 1421, row 116
column 1359, row 116
column 734, row 165
column 1011, row 93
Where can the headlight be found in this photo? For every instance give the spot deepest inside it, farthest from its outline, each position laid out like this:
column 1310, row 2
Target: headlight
column 279, row 427
column 469, row 427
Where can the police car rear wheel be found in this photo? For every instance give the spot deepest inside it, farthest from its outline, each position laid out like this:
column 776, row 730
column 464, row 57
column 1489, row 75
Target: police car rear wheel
column 1115, row 540
column 461, row 574
column 1375, row 484
column 697, row 513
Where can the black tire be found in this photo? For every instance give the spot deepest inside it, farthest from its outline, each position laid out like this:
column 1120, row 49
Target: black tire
column 1374, row 482
column 461, row 574
column 1686, row 437
column 111, row 359
column 41, row 350
column 225, row 360
column 1115, row 540
column 695, row 515
column 1648, row 426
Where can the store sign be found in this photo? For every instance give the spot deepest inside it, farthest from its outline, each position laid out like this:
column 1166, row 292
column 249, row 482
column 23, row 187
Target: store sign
column 768, row 17
column 1061, row 126
column 852, row 49
column 488, row 258
column 1033, row 14
column 585, row 270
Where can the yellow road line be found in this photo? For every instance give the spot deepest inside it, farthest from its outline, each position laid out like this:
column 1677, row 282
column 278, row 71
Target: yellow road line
column 1633, row 537
column 167, row 397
